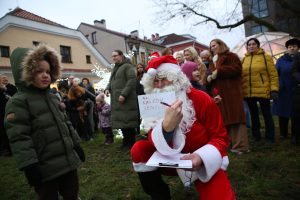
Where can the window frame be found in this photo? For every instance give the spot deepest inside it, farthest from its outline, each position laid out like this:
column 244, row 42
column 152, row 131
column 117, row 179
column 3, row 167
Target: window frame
column 257, row 10
column 35, row 43
column 260, row 29
column 66, row 55
column 88, row 59
column 94, row 37
column 7, row 53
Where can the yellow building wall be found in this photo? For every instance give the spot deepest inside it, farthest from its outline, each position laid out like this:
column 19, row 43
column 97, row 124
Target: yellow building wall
column 18, row 37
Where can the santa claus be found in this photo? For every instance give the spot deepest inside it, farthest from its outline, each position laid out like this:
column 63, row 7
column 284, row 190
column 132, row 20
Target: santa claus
column 192, row 125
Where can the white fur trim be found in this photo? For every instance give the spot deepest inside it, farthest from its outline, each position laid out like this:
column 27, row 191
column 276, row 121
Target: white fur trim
column 225, row 163
column 142, row 167
column 215, row 58
column 152, row 72
column 187, row 177
column 168, row 67
column 161, row 144
column 212, row 162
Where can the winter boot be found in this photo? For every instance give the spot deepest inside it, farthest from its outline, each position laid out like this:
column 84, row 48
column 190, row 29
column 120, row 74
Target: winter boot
column 128, row 138
column 154, row 186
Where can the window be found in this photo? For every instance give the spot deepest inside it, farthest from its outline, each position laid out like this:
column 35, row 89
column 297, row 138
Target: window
column 35, row 43
column 4, row 51
column 65, row 53
column 88, row 59
column 258, row 29
column 94, row 39
column 259, row 8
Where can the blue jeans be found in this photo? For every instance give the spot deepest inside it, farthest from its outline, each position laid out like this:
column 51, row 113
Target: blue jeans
column 266, row 112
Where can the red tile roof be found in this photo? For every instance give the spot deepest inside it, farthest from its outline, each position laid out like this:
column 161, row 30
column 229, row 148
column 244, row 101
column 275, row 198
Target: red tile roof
column 173, row 38
column 18, row 12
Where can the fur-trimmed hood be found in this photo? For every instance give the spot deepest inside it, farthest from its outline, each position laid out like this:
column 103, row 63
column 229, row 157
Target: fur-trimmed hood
column 25, row 61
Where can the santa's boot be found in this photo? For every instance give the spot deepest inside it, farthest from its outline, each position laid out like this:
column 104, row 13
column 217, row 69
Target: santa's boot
column 153, row 185
column 128, row 138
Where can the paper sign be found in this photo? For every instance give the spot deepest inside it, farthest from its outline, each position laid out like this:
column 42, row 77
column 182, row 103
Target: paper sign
column 150, row 105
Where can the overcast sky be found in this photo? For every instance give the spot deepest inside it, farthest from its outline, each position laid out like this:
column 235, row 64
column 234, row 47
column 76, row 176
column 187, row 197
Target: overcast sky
column 123, row 16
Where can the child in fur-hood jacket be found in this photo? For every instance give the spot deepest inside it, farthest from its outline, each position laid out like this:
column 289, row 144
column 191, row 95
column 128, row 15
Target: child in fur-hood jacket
column 43, row 141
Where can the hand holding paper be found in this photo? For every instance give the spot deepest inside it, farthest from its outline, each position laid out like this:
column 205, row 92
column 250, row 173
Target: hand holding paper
column 196, row 160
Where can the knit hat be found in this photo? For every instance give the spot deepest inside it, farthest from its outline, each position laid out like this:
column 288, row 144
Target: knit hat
column 188, row 67
column 163, row 63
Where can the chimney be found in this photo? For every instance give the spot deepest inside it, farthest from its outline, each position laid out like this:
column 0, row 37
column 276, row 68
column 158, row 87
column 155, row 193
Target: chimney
column 156, row 36
column 152, row 37
column 101, row 23
column 134, row 34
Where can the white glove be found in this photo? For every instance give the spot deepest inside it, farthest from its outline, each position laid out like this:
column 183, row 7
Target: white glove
column 214, row 74
column 209, row 78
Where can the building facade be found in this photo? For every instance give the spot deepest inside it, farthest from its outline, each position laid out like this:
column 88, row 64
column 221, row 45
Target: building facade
column 283, row 15
column 20, row 28
column 105, row 41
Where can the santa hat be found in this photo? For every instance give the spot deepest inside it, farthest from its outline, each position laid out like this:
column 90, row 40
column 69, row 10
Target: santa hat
column 163, row 63
column 154, row 55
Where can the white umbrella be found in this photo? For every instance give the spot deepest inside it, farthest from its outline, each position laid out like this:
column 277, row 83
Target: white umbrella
column 272, row 42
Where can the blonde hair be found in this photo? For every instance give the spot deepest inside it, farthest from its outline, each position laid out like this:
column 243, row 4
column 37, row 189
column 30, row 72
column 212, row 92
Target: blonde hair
column 193, row 51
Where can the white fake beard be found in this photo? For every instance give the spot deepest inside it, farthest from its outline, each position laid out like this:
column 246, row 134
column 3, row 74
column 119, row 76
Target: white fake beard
column 188, row 110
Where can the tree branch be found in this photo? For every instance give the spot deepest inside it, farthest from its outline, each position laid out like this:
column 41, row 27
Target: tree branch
column 234, row 25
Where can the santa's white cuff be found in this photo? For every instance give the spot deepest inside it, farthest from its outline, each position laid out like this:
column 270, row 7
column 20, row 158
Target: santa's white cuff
column 142, row 167
column 161, row 144
column 212, row 162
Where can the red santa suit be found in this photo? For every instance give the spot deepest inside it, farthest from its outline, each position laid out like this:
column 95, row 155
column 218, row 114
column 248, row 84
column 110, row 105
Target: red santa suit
column 207, row 138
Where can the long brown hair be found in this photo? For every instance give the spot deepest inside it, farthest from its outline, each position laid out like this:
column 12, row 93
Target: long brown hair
column 140, row 74
column 222, row 46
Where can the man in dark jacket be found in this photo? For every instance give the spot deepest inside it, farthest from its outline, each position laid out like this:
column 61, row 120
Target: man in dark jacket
column 122, row 87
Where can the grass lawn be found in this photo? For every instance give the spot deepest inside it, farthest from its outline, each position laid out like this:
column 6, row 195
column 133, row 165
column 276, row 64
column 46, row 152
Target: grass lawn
column 266, row 173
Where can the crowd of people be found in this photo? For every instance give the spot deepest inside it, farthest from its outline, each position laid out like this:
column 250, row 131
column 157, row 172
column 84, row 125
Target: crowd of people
column 217, row 95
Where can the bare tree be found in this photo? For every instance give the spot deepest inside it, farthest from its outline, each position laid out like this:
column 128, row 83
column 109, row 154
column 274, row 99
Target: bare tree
column 199, row 12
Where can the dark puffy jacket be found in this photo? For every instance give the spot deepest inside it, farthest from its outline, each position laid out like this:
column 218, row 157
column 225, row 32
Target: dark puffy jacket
column 37, row 128
column 123, row 82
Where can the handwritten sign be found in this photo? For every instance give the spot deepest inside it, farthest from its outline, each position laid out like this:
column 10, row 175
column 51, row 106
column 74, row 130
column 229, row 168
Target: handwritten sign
column 150, row 105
